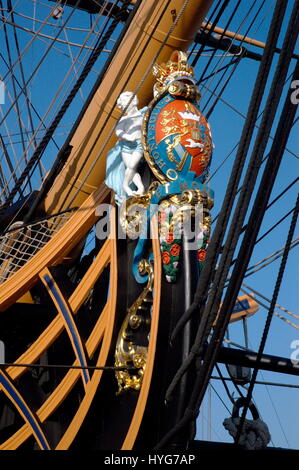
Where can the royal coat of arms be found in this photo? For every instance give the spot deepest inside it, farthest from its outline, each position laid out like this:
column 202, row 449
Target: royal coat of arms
column 176, row 137
column 177, row 145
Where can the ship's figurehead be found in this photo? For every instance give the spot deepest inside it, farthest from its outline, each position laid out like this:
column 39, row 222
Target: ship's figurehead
column 177, row 144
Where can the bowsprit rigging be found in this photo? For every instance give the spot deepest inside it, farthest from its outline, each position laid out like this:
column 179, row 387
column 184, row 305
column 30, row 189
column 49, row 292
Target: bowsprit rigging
column 122, row 295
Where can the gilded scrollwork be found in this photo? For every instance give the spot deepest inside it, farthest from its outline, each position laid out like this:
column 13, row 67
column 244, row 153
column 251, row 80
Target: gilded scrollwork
column 133, row 211
column 129, row 352
column 186, row 214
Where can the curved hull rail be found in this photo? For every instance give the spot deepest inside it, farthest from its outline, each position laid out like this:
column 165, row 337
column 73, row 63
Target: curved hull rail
column 95, row 348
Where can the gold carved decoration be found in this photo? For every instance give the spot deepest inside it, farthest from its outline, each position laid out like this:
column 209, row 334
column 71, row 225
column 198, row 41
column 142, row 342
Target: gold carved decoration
column 183, row 206
column 133, row 211
column 128, row 352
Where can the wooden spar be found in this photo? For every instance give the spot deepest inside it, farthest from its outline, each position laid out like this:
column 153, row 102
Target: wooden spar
column 232, row 35
column 129, row 68
column 240, row 37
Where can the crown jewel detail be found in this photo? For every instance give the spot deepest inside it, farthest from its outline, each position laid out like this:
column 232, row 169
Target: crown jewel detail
column 176, row 68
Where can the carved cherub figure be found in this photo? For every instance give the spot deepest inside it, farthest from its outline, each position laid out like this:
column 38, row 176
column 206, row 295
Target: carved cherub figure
column 123, row 159
column 128, row 130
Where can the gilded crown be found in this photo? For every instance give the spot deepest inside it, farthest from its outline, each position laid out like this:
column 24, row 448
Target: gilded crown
column 176, row 68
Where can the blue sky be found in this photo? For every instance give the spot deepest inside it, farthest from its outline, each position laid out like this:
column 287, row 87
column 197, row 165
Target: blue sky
column 226, row 127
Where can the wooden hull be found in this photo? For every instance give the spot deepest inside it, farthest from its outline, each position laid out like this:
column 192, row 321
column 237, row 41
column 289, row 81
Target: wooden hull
column 48, row 414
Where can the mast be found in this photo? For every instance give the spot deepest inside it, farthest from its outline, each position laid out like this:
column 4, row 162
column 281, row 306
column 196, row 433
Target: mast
column 157, row 29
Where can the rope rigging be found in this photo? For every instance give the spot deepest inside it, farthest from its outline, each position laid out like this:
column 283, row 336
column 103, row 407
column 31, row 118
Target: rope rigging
column 29, row 42
column 244, row 117
column 23, row 89
column 256, row 217
column 229, row 47
column 47, row 36
column 209, row 21
column 259, row 382
column 57, row 93
column 8, row 161
column 215, row 21
column 237, row 62
column 42, row 145
column 208, row 36
column 103, row 71
column 18, row 114
column 270, row 313
column 267, row 233
column 39, row 62
column 224, row 215
column 66, row 146
column 135, row 91
column 283, row 309
column 274, row 200
column 210, row 273
column 31, row 105
column 274, row 313
column 30, row 119
column 268, row 260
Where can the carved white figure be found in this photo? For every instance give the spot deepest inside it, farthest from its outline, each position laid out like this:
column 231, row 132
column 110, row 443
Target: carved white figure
column 123, row 159
column 128, row 130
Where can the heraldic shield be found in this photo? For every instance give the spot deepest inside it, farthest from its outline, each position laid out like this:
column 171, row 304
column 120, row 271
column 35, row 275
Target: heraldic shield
column 177, row 140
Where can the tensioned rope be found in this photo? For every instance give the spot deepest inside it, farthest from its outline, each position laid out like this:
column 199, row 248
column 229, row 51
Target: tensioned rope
column 209, row 21
column 293, row 22
column 257, row 382
column 269, row 316
column 61, row 85
column 236, row 63
column 262, row 304
column 220, row 61
column 42, row 145
column 46, row 52
column 179, row 15
column 65, row 366
column 245, row 141
column 270, row 259
column 209, row 33
column 56, row 134
column 29, row 113
column 274, row 226
column 9, row 13
column 5, row 152
column 75, row 71
column 283, row 309
column 33, row 73
column 46, row 36
column 20, row 56
column 244, row 116
column 9, row 165
column 211, row 308
column 16, row 134
column 17, row 108
column 268, row 231
column 255, row 220
column 65, row 148
column 275, row 199
column 53, row 25
column 57, row 163
column 30, row 41
column 32, row 131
